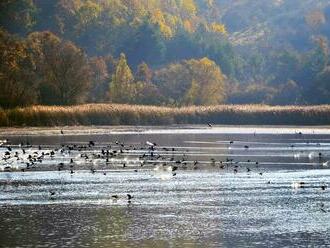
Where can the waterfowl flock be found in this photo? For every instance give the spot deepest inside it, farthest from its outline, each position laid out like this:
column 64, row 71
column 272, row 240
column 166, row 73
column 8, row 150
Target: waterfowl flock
column 165, row 161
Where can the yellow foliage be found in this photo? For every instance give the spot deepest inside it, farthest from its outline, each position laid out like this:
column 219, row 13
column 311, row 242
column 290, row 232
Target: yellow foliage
column 159, row 19
column 189, row 7
column 218, row 28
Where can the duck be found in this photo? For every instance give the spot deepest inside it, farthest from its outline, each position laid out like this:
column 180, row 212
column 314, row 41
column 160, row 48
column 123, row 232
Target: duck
column 298, row 185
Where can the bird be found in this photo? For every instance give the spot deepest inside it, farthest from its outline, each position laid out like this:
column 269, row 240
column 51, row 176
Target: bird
column 2, row 142
column 326, row 164
column 298, row 185
column 209, row 124
column 151, row 144
column 322, row 208
column 129, row 198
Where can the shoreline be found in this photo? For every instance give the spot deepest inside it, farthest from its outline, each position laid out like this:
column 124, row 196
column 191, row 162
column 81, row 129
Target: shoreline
column 140, row 115
column 164, row 130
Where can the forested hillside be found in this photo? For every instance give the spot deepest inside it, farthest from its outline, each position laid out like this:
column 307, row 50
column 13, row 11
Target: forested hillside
column 164, row 52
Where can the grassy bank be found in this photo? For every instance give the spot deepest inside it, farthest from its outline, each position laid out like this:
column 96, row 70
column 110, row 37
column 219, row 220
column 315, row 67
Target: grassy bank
column 114, row 114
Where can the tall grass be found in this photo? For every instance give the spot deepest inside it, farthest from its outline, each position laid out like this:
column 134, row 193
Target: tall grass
column 116, row 114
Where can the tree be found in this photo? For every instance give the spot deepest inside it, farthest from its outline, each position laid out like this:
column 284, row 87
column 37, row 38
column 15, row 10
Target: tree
column 207, row 83
column 17, row 16
column 63, row 69
column 121, row 86
column 144, row 73
column 322, row 87
column 192, row 82
column 147, row 93
column 99, row 83
column 18, row 86
column 146, row 44
column 315, row 18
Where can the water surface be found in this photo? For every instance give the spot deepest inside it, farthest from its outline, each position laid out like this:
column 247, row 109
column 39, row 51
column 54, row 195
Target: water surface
column 234, row 187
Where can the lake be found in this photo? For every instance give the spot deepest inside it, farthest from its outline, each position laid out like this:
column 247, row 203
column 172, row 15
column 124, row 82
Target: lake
column 188, row 186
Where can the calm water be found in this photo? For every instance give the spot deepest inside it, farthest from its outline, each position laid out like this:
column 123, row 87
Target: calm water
column 234, row 187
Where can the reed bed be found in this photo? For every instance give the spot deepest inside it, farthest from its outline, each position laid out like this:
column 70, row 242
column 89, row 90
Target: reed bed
column 118, row 114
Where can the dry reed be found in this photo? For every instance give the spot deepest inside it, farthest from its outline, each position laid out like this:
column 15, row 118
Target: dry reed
column 117, row 114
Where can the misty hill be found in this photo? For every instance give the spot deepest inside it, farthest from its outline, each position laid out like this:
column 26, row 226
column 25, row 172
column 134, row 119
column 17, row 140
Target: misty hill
column 165, row 52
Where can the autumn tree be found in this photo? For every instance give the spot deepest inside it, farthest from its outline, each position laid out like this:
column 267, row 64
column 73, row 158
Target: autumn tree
column 192, row 82
column 144, row 73
column 99, row 81
column 207, row 83
column 18, row 86
column 146, row 92
column 121, row 88
column 62, row 69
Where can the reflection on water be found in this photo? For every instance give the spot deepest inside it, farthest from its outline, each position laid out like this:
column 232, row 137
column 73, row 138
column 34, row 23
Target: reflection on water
column 253, row 197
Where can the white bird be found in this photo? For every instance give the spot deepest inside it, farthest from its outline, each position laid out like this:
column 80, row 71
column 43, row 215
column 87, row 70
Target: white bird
column 150, row 143
column 326, row 164
column 312, row 155
column 296, row 155
column 2, row 142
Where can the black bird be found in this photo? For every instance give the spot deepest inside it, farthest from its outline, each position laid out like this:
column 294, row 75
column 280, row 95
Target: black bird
column 62, row 132
column 129, row 198
column 209, row 124
column 322, row 208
